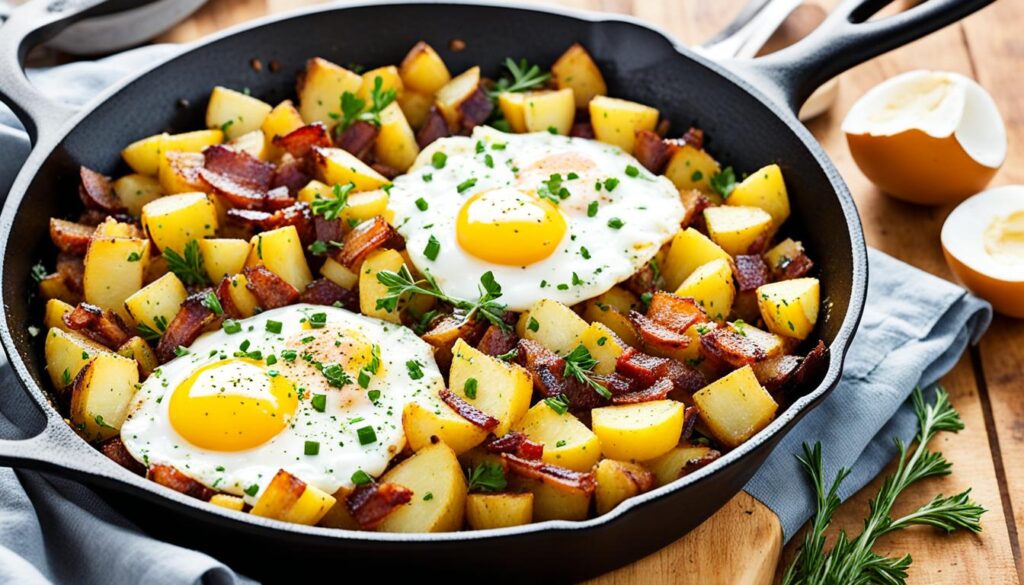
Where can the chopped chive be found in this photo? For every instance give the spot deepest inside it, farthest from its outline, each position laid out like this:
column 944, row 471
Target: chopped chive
column 319, row 402
column 432, row 249
column 366, row 435
column 421, row 204
column 312, row 448
column 470, row 388
column 274, row 326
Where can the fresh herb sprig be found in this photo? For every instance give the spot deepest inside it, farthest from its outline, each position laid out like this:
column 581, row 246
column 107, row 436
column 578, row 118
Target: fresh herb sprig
column 402, row 283
column 486, row 477
column 355, row 109
column 187, row 266
column 723, row 182
column 521, row 77
column 853, row 561
column 580, row 365
column 330, row 207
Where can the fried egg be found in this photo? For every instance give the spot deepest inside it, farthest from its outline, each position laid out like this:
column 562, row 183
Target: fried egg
column 317, row 391
column 550, row 216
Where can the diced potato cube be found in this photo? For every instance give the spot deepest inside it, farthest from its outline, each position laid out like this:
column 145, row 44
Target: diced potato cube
column 737, row 229
column 370, row 289
column 618, row 481
column 54, row 315
column 114, row 270
column 637, row 432
column 66, row 354
column 485, row 511
column 252, row 143
column 617, row 121
column 223, row 256
column 143, row 156
column 290, row 499
column 423, row 70
column 136, row 190
column 179, row 172
column 432, row 470
column 112, row 228
column 513, row 108
column 672, row 465
column 340, row 167
column 53, row 286
column 766, row 190
column 712, row 286
column 551, row 502
column 553, row 325
column 339, row 516
column 338, row 273
column 690, row 250
column 100, row 395
column 321, row 88
column 692, row 168
column 597, row 312
column 396, row 144
column 281, row 121
column 549, row 111
column 503, row 389
column 424, row 425
column 415, row 106
column 234, row 112
column 137, row 349
column 242, row 297
column 455, row 92
column 567, row 441
column 735, row 407
column 175, row 220
column 604, row 346
column 280, row 251
column 780, row 255
column 228, row 501
column 195, row 141
column 156, row 304
column 790, row 307
column 575, row 69
column 389, row 79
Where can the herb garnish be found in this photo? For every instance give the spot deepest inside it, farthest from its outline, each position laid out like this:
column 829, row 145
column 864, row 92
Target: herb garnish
column 487, row 477
column 580, row 364
column 524, row 77
column 723, row 182
column 187, row 267
column 354, row 109
column 330, row 208
column 402, row 283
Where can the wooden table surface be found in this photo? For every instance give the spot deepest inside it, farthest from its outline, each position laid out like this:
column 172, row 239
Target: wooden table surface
column 985, row 386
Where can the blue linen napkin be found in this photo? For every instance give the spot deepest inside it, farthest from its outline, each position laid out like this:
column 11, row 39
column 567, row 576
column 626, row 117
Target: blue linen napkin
column 914, row 329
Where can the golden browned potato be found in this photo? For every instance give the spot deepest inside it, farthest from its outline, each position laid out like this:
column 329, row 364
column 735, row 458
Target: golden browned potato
column 735, row 407
column 175, row 220
column 485, row 511
column 338, row 273
column 576, row 70
column 692, row 168
column 567, row 442
column 678, row 462
column 370, row 289
column 553, row 502
column 243, row 299
column 136, row 190
column 252, row 143
column 66, row 354
column 618, row 481
column 340, row 167
column 452, row 94
column 280, row 251
column 143, row 156
column 281, row 121
column 234, row 112
column 54, row 314
column 114, row 270
column 766, row 190
column 513, row 109
column 737, row 229
column 424, row 426
column 223, row 256
column 433, row 470
column 228, row 501
column 549, row 111
column 101, row 393
column 690, row 250
column 604, row 346
column 290, row 499
column 423, row 70
column 137, row 349
column 390, row 79
column 156, row 304
column 617, row 121
column 396, row 144
column 713, row 287
column 320, row 90
column 499, row 388
column 790, row 307
column 638, row 432
column 553, row 325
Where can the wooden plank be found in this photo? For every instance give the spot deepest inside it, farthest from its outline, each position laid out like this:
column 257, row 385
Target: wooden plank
column 744, row 534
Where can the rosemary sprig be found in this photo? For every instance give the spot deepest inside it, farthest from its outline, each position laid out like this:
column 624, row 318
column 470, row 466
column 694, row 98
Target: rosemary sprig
column 188, row 266
column 580, row 364
column 521, row 77
column 402, row 283
column 852, row 561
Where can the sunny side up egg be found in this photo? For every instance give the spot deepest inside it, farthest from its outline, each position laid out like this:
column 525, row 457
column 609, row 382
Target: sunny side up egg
column 552, row 217
column 317, row 391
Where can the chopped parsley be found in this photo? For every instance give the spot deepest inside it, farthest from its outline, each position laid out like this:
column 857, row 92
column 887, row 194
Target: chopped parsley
column 616, row 223
column 319, row 402
column 487, row 477
column 723, row 182
column 330, row 207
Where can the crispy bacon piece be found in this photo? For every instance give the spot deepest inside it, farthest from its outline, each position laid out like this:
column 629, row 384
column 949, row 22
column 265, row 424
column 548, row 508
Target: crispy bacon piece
column 192, row 319
column 517, row 444
column 731, row 347
column 760, row 244
column 690, row 416
column 434, row 127
column 475, row 110
column 695, row 464
column 552, row 475
column 363, row 239
column 468, row 411
column 648, row 370
column 656, row 391
column 300, row 142
column 812, row 367
column 777, row 372
column 270, row 290
column 358, row 138
column 657, row 336
column 370, row 504
column 97, row 192
column 328, row 230
column 292, row 174
column 103, row 327
column 797, row 267
column 751, row 272
column 324, row 292
column 582, row 130
column 114, row 449
column 674, row 312
column 72, row 270
column 69, row 236
column 642, row 281
column 278, row 198
column 548, row 372
column 227, row 302
column 694, row 137
column 686, row 379
column 168, row 476
column 239, row 166
column 385, row 170
column 497, row 342
column 297, row 215
column 236, row 194
column 652, row 151
column 694, row 204
column 444, row 332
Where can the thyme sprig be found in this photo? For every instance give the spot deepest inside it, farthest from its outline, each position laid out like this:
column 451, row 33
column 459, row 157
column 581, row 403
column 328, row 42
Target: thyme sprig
column 401, row 283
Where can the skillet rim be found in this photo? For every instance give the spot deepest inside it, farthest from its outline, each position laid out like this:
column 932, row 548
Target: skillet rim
column 113, row 475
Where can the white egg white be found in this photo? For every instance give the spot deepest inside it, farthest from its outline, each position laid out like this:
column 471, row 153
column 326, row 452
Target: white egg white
column 150, row 436
column 638, row 214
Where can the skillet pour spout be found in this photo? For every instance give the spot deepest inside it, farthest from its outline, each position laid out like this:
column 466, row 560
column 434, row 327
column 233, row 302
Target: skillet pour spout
column 747, row 107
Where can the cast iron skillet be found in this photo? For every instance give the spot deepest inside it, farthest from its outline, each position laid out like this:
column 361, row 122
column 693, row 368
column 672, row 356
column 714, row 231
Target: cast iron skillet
column 746, row 108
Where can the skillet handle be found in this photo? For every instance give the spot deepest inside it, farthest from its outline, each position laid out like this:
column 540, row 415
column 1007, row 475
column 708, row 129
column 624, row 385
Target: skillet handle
column 846, row 39
column 29, row 25
column 56, row 448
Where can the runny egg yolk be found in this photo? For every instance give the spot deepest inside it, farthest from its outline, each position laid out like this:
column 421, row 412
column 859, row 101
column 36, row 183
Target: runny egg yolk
column 231, row 405
column 507, row 226
column 1004, row 238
